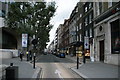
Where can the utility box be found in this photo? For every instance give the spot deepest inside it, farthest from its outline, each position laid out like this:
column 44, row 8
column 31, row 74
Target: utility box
column 12, row 73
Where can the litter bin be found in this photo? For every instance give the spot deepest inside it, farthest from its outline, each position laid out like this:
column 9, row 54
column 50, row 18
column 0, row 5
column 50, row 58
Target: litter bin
column 12, row 73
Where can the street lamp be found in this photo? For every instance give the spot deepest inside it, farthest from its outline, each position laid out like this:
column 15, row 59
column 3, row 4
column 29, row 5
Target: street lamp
column 79, row 50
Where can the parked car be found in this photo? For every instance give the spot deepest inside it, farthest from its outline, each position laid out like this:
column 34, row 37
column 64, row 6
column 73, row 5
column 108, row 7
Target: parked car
column 45, row 53
column 62, row 55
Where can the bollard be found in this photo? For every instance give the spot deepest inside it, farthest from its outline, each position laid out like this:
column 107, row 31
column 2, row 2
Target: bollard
column 34, row 61
column 11, row 64
column 84, row 60
column 77, row 62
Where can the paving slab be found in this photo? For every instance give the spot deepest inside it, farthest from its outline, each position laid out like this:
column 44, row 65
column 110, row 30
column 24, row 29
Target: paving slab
column 25, row 68
column 98, row 70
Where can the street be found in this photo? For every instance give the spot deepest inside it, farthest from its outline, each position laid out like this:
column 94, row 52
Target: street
column 56, row 68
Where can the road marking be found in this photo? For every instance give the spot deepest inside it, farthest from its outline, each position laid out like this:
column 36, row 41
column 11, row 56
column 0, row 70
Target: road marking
column 59, row 74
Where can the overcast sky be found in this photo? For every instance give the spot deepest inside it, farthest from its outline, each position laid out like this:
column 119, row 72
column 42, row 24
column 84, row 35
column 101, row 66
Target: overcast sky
column 63, row 11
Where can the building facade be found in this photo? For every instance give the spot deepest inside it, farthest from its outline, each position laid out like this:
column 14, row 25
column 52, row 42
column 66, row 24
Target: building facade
column 88, row 28
column 66, row 36
column 107, row 32
column 73, row 31
column 59, row 46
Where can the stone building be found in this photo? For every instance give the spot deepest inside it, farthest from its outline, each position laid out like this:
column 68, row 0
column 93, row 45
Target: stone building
column 65, row 36
column 107, row 32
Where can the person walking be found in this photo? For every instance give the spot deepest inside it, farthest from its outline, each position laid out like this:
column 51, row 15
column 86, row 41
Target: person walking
column 21, row 55
column 30, row 55
column 27, row 53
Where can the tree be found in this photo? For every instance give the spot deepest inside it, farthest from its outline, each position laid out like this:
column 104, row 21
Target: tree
column 29, row 17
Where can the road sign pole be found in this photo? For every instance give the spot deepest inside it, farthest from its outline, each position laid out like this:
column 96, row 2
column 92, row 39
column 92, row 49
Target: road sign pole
column 34, row 61
column 84, row 60
column 86, row 46
column 77, row 62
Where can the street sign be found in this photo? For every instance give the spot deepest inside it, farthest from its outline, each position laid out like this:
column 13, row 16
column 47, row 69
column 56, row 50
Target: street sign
column 86, row 42
column 24, row 40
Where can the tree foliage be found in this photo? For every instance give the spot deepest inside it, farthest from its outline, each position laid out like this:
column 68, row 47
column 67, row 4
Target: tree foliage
column 29, row 17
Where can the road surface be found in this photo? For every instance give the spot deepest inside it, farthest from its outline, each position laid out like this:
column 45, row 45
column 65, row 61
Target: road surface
column 56, row 68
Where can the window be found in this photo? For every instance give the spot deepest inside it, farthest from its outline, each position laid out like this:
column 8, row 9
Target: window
column 86, row 9
column 90, row 5
column 90, row 32
column 77, row 38
column 77, row 9
column 80, row 26
column 80, row 37
column 90, row 18
column 115, row 37
column 86, row 33
column 99, row 8
column 80, row 15
column 109, row 3
column 86, row 21
column 77, row 28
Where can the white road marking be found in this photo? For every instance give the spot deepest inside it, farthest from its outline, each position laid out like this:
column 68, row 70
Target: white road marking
column 59, row 74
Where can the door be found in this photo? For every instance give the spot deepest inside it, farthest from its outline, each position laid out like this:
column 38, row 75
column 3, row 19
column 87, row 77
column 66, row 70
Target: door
column 102, row 50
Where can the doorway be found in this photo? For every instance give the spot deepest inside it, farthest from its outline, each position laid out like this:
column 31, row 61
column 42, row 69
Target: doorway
column 102, row 50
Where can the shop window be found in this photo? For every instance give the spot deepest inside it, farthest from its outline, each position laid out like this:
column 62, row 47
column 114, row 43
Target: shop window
column 115, row 37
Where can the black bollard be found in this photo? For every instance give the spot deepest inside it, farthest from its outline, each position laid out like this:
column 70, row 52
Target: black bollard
column 84, row 60
column 77, row 62
column 11, row 64
column 34, row 61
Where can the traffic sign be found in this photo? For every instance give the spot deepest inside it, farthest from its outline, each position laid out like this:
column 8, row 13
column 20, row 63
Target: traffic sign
column 86, row 42
column 24, row 40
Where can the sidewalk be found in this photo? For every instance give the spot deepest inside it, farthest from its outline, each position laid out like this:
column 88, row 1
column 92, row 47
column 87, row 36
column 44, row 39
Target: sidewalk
column 25, row 68
column 97, row 70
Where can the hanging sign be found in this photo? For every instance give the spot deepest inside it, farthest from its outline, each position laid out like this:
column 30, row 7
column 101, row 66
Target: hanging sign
column 24, row 40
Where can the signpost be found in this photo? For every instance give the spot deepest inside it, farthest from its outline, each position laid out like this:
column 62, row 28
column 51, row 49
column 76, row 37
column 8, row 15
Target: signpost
column 86, row 46
column 86, row 42
column 34, row 42
column 24, row 40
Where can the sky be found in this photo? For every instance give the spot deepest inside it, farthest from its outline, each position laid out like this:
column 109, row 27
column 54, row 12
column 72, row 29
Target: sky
column 64, row 9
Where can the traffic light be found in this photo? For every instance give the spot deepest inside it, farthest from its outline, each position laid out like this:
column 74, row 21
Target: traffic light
column 34, row 41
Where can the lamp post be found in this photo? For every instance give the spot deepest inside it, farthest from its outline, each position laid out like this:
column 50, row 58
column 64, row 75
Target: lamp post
column 79, row 48
column 34, row 42
column 34, row 61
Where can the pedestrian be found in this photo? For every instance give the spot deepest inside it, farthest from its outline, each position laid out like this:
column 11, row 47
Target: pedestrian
column 30, row 55
column 21, row 55
column 27, row 53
